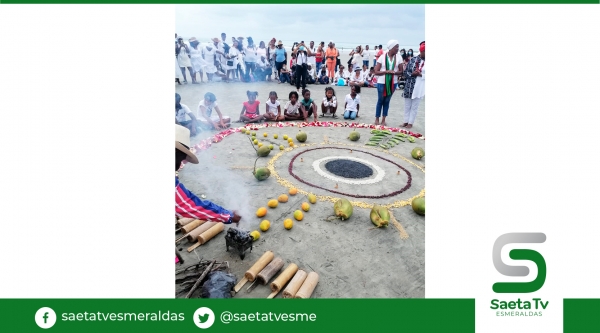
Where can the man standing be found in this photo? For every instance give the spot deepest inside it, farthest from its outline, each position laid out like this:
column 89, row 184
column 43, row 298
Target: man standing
column 312, row 59
column 375, row 55
column 367, row 56
column 379, row 53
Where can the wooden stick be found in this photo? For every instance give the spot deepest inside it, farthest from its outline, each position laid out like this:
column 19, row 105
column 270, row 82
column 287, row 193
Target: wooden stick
column 240, row 285
column 200, row 279
column 273, row 294
column 252, row 286
column 308, row 286
column 270, row 270
column 292, row 287
column 193, row 247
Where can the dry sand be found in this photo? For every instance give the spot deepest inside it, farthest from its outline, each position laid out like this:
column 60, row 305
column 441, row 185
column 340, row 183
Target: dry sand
column 352, row 260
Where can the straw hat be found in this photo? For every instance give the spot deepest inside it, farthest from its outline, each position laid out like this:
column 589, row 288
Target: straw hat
column 182, row 137
column 280, row 43
column 193, row 39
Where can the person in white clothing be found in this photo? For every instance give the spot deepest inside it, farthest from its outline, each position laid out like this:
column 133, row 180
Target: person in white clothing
column 198, row 62
column 352, row 105
column 357, row 78
column 414, row 90
column 301, row 70
column 207, row 118
column 341, row 77
column 232, row 60
column 250, row 58
column 184, row 116
column 182, row 52
column 367, row 56
column 387, row 70
column 312, row 76
column 329, row 104
column 273, row 110
column 312, row 60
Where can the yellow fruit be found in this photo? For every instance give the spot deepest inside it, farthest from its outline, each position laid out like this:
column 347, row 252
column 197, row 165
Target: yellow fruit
column 291, row 144
column 253, row 133
column 298, row 215
column 285, row 137
column 293, row 191
column 273, row 203
column 271, row 147
column 281, row 147
column 312, row 198
column 255, row 235
column 243, row 130
column 265, row 225
column 265, row 134
column 275, row 136
column 283, row 198
column 248, row 132
column 262, row 211
column 305, row 206
column 290, row 140
column 260, row 144
column 288, row 224
column 255, row 142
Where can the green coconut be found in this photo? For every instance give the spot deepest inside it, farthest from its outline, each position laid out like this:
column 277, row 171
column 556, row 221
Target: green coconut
column 354, row 136
column 417, row 153
column 261, row 173
column 343, row 208
column 301, row 136
column 418, row 205
column 263, row 151
column 380, row 216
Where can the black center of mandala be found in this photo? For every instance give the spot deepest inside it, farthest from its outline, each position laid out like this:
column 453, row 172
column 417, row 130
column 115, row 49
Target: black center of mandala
column 349, row 169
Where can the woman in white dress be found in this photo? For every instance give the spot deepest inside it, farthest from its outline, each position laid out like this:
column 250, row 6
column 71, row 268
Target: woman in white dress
column 178, row 75
column 415, row 73
column 209, row 53
column 182, row 52
column 231, row 60
column 250, row 57
column 196, row 57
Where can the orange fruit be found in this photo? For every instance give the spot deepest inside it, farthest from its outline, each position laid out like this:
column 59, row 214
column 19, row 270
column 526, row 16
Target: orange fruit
column 283, row 198
column 305, row 206
column 273, row 203
column 264, row 225
column 288, row 224
column 298, row 215
column 293, row 191
column 262, row 211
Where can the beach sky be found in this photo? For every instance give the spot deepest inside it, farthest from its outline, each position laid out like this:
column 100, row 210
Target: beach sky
column 347, row 25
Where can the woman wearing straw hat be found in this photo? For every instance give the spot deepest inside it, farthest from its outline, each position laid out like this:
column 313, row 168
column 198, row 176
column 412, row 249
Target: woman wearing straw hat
column 388, row 69
column 187, row 204
column 196, row 58
column 280, row 57
column 183, row 59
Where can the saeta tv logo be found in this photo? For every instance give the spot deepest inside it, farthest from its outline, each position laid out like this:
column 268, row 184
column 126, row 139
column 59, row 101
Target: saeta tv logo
column 519, row 254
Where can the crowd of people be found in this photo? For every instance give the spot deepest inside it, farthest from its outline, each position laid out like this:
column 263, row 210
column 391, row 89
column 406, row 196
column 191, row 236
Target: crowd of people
column 243, row 61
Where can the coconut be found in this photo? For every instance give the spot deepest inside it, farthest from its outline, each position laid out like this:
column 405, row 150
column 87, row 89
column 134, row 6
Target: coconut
column 354, row 136
column 417, row 153
column 301, row 136
column 261, row 173
column 343, row 208
column 380, row 216
column 418, row 205
column 263, row 151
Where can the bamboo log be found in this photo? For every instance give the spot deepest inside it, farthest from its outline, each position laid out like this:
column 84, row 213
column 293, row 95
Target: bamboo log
column 292, row 287
column 210, row 233
column 270, row 270
column 308, row 286
column 192, row 225
column 284, row 277
column 193, row 236
column 262, row 262
column 184, row 220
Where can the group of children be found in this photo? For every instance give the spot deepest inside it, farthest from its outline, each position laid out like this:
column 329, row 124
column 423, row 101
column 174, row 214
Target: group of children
column 299, row 109
column 296, row 108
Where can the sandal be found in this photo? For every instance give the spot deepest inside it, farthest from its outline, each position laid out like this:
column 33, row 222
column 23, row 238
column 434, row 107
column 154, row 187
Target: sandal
column 334, row 116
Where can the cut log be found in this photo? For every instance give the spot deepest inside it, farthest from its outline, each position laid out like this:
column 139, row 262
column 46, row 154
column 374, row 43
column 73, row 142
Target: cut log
column 210, row 233
column 192, row 225
column 184, row 220
column 193, row 236
column 270, row 270
column 284, row 277
column 262, row 262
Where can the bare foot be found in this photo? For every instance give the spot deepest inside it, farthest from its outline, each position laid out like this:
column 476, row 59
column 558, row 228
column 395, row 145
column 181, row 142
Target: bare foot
column 409, row 126
column 383, row 123
column 376, row 122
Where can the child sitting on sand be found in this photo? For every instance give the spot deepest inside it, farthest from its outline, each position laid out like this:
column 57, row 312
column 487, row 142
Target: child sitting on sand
column 284, row 76
column 207, row 118
column 184, row 116
column 352, row 103
column 329, row 104
column 250, row 113
column 323, row 79
column 291, row 111
column 307, row 105
column 273, row 111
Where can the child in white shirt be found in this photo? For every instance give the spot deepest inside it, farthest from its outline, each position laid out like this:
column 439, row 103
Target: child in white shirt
column 329, row 104
column 291, row 111
column 352, row 103
column 273, row 111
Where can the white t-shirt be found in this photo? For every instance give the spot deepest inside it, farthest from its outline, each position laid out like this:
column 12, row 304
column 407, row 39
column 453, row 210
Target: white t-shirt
column 360, row 77
column 357, row 59
column 183, row 114
column 209, row 109
column 250, row 54
column 312, row 59
column 368, row 55
column 352, row 103
column 301, row 58
column 331, row 103
column 382, row 60
column 273, row 106
column 292, row 109
column 311, row 72
column 261, row 52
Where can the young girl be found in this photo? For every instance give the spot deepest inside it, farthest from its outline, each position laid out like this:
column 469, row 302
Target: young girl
column 273, row 111
column 292, row 108
column 352, row 103
column 329, row 104
column 370, row 79
column 209, row 120
column 250, row 113
column 339, row 79
column 307, row 105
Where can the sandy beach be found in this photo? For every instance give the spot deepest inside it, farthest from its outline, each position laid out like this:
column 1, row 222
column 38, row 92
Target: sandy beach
column 352, row 259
